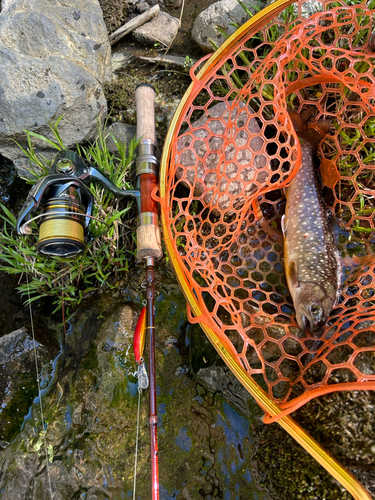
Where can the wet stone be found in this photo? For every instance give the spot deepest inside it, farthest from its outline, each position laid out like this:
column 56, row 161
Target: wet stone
column 18, row 377
column 15, row 344
column 262, row 320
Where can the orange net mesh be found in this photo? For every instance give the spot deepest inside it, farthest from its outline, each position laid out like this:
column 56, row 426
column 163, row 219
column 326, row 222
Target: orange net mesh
column 234, row 149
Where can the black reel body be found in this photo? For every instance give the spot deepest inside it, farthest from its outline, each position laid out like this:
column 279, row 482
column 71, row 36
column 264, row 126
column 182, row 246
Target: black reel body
column 65, row 204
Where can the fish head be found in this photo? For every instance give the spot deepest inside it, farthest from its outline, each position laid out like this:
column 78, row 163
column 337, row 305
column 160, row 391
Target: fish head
column 313, row 305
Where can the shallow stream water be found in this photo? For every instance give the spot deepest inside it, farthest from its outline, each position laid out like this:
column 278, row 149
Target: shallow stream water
column 89, row 396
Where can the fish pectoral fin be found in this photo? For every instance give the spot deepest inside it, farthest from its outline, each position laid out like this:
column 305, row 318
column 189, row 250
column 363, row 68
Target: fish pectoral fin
column 284, row 225
column 293, row 274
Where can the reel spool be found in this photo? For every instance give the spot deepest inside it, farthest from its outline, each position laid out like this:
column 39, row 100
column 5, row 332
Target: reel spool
column 65, row 204
column 61, row 234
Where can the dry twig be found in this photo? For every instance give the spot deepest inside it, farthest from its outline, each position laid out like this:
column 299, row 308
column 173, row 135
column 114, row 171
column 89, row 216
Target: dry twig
column 173, row 39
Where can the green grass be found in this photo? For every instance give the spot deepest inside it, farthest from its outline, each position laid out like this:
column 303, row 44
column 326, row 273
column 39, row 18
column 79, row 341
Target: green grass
column 70, row 281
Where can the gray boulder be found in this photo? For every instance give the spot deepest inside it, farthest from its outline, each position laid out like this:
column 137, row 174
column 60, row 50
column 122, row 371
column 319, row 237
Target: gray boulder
column 221, row 14
column 123, row 132
column 161, row 29
column 142, row 7
column 55, row 58
column 5, row 4
column 305, row 9
column 310, row 7
column 15, row 344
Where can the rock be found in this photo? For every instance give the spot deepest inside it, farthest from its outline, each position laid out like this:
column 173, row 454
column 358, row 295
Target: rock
column 161, row 29
column 5, row 4
column 202, row 175
column 310, row 7
column 54, row 62
column 307, row 8
column 121, row 58
column 142, row 7
column 174, row 4
column 13, row 314
column 15, row 344
column 122, row 131
column 18, row 379
column 220, row 14
column 91, row 418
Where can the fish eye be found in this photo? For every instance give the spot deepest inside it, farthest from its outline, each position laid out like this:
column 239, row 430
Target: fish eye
column 316, row 310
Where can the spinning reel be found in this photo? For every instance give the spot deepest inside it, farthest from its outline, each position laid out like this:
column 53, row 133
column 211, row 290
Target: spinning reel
column 65, row 204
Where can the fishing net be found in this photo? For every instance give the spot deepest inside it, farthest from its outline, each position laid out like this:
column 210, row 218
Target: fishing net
column 232, row 150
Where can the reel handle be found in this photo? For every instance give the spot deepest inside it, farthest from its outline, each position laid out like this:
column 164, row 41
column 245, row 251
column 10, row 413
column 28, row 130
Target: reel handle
column 148, row 232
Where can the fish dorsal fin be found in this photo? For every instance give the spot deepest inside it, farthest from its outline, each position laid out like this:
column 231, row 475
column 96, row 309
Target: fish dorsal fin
column 293, row 274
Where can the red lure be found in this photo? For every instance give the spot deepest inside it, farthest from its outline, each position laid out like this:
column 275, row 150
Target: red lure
column 140, row 337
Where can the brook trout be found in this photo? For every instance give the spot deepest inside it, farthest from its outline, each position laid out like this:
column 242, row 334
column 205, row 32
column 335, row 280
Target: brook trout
column 312, row 260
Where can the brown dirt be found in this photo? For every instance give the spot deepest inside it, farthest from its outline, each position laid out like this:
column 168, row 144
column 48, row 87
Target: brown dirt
column 114, row 13
column 118, row 12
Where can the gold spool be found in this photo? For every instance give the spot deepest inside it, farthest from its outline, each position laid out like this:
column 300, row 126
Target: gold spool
column 61, row 228
column 61, row 234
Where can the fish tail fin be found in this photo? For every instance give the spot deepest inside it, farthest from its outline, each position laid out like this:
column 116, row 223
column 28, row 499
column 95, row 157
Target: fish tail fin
column 316, row 131
column 312, row 133
column 297, row 120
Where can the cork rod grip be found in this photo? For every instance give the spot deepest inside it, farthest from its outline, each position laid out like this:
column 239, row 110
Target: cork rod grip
column 145, row 105
column 148, row 232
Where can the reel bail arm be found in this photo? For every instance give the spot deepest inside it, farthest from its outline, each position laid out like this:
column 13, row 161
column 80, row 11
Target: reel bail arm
column 88, row 173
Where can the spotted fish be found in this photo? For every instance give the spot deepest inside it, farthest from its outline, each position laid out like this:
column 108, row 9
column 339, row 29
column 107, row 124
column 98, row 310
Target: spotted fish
column 312, row 260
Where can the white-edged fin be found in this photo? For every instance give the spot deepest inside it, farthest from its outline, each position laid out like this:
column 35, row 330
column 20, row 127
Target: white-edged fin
column 284, row 225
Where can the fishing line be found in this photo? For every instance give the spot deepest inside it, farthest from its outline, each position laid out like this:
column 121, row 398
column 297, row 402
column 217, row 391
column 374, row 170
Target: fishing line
column 39, row 390
column 136, row 443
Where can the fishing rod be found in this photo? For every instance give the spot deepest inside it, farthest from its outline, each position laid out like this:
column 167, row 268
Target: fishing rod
column 59, row 208
column 149, row 245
